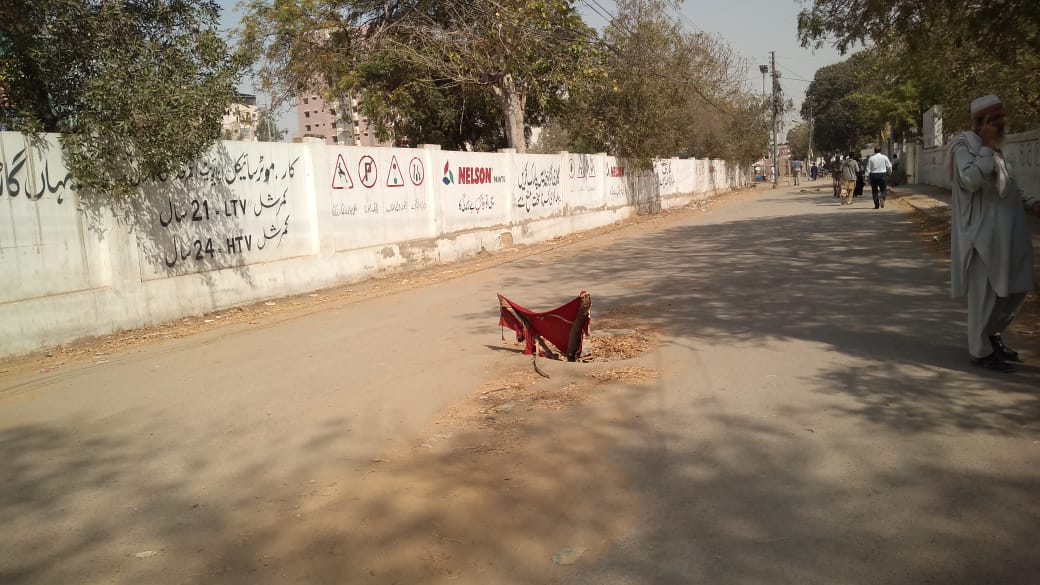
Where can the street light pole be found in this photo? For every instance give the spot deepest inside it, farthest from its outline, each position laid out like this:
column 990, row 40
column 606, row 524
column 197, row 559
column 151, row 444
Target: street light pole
column 764, row 69
column 776, row 164
column 811, row 120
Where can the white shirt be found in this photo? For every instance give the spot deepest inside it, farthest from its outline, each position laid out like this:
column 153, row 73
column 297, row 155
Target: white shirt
column 879, row 163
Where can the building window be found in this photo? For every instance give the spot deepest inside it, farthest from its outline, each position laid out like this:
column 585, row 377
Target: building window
column 307, row 114
column 308, row 127
column 305, row 100
column 333, row 112
column 335, row 140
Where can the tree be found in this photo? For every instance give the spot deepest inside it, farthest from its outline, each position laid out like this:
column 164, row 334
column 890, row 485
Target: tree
column 136, row 88
column 837, row 126
column 520, row 54
column 798, row 140
column 658, row 91
column 889, row 102
column 267, row 129
column 950, row 51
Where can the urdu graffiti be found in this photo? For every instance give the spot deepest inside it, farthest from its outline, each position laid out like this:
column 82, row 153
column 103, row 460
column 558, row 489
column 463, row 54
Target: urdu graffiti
column 216, row 210
column 16, row 179
column 538, row 187
column 216, row 169
column 482, row 202
column 665, row 177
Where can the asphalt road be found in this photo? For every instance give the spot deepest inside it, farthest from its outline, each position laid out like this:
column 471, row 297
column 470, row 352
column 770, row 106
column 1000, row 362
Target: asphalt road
column 815, row 421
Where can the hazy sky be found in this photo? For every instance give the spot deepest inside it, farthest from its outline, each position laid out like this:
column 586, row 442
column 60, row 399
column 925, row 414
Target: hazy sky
column 753, row 28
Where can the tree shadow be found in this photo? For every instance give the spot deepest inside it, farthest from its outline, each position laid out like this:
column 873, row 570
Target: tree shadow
column 859, row 284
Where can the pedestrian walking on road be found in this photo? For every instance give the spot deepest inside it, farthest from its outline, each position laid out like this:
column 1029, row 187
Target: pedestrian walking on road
column 860, row 181
column 849, row 169
column 835, row 169
column 814, row 171
column 878, row 170
column 991, row 248
column 796, row 170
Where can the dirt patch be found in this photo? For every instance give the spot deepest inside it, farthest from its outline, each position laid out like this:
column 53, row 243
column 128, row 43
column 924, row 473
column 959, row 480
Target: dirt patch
column 517, row 460
column 626, row 375
column 622, row 346
column 619, row 333
column 523, row 458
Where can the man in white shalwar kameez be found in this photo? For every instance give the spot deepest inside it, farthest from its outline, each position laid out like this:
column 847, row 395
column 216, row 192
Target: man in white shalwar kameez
column 991, row 249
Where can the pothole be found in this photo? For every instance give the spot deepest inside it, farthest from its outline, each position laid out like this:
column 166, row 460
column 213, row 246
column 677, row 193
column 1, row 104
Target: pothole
column 620, row 333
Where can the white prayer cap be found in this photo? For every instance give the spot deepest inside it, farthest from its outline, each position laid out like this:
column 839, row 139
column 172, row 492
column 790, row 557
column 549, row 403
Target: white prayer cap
column 984, row 103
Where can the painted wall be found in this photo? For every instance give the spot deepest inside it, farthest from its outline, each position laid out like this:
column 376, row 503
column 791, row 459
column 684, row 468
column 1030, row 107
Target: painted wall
column 249, row 221
column 1022, row 150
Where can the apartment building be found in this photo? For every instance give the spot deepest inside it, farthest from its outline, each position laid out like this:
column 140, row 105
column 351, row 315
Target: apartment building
column 335, row 122
column 240, row 119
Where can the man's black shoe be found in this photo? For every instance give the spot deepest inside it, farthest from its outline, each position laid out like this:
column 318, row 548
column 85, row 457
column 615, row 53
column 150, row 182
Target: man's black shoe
column 1006, row 353
column 993, row 362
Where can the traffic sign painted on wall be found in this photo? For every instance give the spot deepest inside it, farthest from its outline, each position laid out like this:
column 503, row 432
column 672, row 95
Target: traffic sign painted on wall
column 341, row 176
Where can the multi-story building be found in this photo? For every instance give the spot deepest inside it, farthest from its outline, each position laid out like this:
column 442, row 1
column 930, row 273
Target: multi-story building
column 335, row 122
column 240, row 119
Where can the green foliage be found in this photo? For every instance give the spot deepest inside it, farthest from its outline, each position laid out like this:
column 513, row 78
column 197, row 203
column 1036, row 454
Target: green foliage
column 419, row 67
column 267, row 129
column 798, row 140
column 657, row 91
column 414, row 112
column 944, row 52
column 136, row 88
column 829, row 102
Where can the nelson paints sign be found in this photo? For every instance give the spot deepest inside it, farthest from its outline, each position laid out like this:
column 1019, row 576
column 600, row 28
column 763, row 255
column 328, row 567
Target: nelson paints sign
column 469, row 175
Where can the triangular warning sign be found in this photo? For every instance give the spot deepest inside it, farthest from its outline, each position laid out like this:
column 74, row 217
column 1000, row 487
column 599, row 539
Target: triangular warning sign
column 341, row 176
column 394, row 178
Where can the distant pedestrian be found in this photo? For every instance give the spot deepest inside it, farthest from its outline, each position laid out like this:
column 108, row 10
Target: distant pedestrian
column 991, row 252
column 860, row 180
column 835, row 168
column 796, row 170
column 814, row 171
column 849, row 169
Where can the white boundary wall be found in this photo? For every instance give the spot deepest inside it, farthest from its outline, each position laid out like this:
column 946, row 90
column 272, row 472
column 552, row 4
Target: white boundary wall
column 250, row 221
column 1022, row 150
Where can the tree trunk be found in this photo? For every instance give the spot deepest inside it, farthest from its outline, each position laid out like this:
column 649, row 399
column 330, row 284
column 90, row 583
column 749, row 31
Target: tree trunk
column 513, row 103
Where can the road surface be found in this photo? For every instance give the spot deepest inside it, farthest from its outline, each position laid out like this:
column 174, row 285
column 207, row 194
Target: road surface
column 809, row 416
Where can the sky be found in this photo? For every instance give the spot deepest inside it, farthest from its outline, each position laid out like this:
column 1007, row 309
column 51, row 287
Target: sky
column 752, row 28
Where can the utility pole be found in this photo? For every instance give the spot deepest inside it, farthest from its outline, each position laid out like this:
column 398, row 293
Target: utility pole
column 811, row 121
column 776, row 84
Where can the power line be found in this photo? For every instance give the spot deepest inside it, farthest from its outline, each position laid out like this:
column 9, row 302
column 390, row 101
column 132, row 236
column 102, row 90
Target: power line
column 828, row 61
column 794, row 73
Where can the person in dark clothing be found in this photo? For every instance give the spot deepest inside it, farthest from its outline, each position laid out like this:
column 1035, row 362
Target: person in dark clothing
column 836, row 176
column 860, row 180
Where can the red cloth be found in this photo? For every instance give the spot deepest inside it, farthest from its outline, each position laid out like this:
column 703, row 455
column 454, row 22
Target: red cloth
column 554, row 326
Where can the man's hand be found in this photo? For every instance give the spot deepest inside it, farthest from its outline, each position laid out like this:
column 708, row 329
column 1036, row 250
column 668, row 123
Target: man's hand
column 990, row 134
